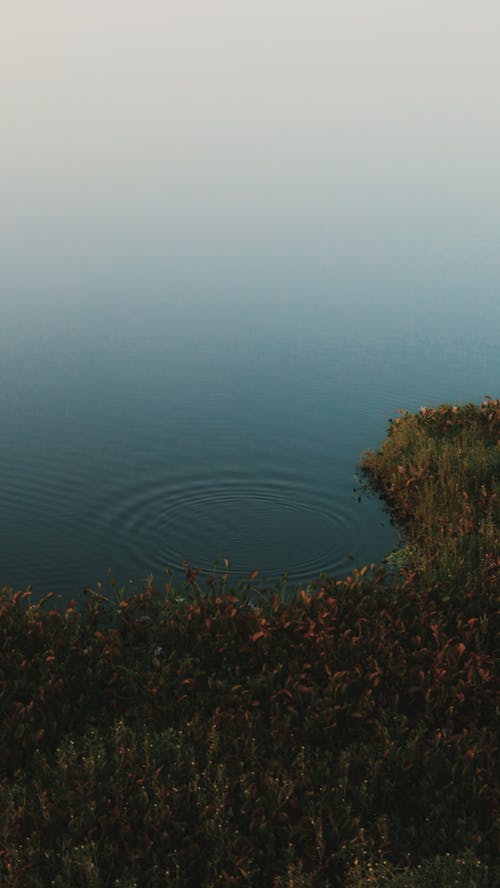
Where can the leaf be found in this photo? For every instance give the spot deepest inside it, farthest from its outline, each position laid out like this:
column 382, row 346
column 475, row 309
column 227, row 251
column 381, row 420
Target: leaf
column 259, row 634
column 253, row 574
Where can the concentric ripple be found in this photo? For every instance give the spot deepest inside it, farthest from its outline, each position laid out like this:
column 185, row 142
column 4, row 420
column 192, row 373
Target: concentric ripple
column 270, row 526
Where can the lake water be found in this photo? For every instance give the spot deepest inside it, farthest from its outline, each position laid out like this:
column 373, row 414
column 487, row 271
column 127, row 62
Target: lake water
column 204, row 323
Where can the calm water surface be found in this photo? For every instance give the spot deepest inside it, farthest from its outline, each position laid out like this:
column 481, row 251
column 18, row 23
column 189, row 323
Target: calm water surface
column 222, row 271
column 207, row 430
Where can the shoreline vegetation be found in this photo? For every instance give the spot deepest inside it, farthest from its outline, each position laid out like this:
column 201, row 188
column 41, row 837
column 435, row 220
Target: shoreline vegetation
column 345, row 735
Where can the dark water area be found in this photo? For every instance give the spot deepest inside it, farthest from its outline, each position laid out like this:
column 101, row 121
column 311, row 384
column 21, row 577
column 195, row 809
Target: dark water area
column 222, row 270
column 213, row 430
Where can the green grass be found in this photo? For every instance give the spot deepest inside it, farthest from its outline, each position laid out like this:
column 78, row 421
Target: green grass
column 439, row 473
column 343, row 735
column 445, row 871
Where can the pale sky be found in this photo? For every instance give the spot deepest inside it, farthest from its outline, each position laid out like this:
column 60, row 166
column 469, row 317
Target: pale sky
column 193, row 111
column 108, row 85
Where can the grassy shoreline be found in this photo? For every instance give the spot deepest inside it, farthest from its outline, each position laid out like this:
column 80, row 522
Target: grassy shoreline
column 346, row 736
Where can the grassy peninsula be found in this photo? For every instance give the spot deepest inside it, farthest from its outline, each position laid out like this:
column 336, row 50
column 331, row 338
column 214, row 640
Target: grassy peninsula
column 209, row 735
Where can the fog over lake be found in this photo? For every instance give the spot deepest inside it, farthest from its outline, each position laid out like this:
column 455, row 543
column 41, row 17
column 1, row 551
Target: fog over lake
column 235, row 239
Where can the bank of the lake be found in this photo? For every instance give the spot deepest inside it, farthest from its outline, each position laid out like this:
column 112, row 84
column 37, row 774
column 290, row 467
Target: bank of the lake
column 344, row 735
